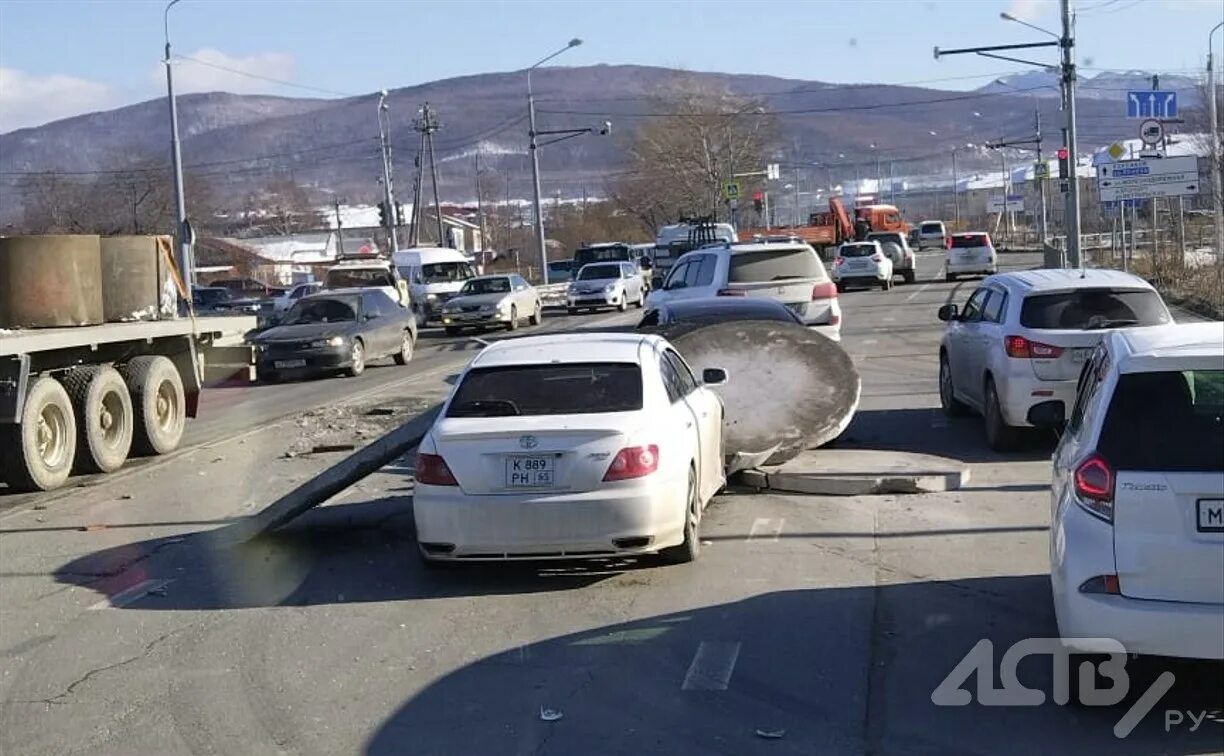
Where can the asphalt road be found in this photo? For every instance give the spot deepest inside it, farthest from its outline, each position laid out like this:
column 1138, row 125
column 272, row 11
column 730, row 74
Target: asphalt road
column 809, row 625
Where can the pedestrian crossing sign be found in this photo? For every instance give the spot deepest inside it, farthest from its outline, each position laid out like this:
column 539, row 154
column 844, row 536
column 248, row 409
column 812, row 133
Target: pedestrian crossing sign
column 732, row 190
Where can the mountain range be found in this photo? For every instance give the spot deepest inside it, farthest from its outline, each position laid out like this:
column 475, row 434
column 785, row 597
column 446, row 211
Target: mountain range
column 239, row 142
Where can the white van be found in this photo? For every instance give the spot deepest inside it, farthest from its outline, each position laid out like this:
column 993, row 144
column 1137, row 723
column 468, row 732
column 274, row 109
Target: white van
column 434, row 275
column 368, row 272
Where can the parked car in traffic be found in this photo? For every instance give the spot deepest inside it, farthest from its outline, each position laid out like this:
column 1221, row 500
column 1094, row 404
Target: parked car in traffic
column 862, row 264
column 335, row 330
column 932, row 234
column 1021, row 338
column 716, row 310
column 434, row 275
column 248, row 288
column 368, row 271
column 895, row 245
column 790, row 272
column 560, row 271
column 207, row 299
column 1137, row 516
column 637, row 254
column 565, row 446
column 501, row 300
column 606, row 284
column 286, row 300
column 970, row 253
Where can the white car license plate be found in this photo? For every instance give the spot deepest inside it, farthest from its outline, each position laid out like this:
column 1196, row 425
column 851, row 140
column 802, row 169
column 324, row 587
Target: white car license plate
column 1079, row 355
column 529, row 472
column 287, row 364
column 1211, row 515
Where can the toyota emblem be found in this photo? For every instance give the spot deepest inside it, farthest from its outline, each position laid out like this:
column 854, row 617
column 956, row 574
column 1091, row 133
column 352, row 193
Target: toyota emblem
column 528, row 442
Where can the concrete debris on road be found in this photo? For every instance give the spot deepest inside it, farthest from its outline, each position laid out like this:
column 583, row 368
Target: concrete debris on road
column 550, row 715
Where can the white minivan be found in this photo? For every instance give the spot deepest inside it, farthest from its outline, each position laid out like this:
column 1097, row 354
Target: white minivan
column 434, row 275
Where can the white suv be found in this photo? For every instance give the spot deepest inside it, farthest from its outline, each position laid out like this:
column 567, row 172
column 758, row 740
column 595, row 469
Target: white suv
column 862, row 264
column 971, row 253
column 1022, row 337
column 790, row 272
column 1137, row 521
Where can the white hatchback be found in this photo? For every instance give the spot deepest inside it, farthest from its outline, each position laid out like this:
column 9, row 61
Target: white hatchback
column 862, row 264
column 788, row 271
column 1021, row 339
column 565, row 446
column 1137, row 525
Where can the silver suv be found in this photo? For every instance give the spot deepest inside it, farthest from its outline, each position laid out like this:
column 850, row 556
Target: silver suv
column 1022, row 338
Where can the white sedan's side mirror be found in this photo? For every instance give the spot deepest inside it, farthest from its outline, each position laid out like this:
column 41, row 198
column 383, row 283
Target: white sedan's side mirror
column 713, row 376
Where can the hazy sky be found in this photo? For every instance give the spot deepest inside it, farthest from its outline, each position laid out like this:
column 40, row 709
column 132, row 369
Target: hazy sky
column 63, row 57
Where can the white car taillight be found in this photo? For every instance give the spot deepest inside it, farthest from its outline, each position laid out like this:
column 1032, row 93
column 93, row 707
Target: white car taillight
column 633, row 462
column 827, row 290
column 1094, row 487
column 1022, row 348
column 432, row 470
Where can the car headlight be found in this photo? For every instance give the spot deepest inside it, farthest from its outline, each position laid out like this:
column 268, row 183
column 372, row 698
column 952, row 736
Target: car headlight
column 334, row 341
column 488, row 308
column 431, row 297
column 610, row 288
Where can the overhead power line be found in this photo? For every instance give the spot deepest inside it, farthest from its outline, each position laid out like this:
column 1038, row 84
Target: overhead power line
column 261, row 77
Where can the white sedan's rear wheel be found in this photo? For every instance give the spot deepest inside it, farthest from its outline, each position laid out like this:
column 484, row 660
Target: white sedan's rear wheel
column 690, row 548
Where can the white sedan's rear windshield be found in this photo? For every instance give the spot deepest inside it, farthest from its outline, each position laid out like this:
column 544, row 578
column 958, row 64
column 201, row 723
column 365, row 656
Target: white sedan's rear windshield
column 1088, row 309
column 579, row 388
column 775, row 265
column 1170, row 421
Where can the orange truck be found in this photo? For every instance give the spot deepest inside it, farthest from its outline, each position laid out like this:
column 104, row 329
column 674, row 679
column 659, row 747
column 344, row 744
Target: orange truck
column 827, row 230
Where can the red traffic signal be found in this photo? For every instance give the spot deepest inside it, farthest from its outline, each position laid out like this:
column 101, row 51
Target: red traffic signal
column 758, row 197
column 1062, row 153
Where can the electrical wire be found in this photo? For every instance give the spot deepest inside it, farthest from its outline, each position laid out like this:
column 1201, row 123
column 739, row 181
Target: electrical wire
column 261, row 77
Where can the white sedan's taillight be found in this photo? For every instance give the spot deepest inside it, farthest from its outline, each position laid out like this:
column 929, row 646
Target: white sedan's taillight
column 633, row 462
column 432, row 470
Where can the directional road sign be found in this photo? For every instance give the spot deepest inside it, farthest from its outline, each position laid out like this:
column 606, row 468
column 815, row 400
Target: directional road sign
column 1014, row 203
column 1148, row 177
column 1151, row 104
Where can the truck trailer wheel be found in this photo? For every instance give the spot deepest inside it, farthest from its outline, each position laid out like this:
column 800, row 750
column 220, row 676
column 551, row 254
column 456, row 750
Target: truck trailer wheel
column 104, row 417
column 44, row 444
column 159, row 408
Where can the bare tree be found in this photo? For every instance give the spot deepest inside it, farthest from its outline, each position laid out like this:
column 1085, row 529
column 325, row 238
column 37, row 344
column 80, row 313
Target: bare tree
column 681, row 157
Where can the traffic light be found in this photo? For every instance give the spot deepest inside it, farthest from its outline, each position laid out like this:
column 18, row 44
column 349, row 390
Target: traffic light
column 1064, row 170
column 758, row 200
column 399, row 213
column 382, row 214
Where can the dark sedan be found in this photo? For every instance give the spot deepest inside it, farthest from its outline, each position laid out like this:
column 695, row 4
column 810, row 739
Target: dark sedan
column 338, row 330
column 716, row 310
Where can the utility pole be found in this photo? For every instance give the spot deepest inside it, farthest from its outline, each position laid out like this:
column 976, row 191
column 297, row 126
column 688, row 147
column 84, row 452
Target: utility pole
column 480, row 219
column 419, row 162
column 1217, row 191
column 182, row 229
column 1067, row 45
column 339, row 227
column 388, row 192
column 955, row 190
column 427, row 124
column 1041, row 182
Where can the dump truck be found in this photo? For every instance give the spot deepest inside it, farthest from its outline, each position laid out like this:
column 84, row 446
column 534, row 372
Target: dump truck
column 83, row 385
column 827, row 230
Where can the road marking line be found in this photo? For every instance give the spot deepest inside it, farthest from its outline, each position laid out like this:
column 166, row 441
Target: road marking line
column 870, row 341
column 916, row 293
column 712, row 666
column 889, row 319
column 764, row 526
column 133, row 594
column 938, row 419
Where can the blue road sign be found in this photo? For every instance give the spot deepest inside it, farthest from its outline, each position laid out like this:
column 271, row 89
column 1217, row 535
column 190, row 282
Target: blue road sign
column 1111, row 209
column 1151, row 104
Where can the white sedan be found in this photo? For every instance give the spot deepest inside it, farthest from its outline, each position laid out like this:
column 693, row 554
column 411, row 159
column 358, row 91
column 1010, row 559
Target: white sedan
column 566, row 446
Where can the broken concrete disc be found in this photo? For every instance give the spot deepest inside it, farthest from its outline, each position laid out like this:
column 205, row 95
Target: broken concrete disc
column 789, row 388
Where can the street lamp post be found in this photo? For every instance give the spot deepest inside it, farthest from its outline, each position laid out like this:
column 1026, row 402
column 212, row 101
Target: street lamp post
column 182, row 230
column 388, row 192
column 1215, row 149
column 535, row 161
